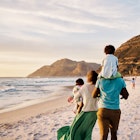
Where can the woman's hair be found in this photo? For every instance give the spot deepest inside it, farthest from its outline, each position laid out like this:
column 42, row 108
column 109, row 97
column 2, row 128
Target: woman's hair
column 92, row 76
column 79, row 81
column 109, row 49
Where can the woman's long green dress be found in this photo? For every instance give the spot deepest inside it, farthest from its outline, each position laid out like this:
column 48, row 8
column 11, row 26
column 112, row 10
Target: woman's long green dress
column 81, row 128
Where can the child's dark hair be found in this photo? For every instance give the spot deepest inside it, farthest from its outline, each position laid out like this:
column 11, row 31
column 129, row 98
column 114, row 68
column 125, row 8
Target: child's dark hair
column 109, row 49
column 79, row 81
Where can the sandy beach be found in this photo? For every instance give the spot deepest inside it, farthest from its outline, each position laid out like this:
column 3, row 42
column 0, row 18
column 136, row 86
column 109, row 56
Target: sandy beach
column 41, row 121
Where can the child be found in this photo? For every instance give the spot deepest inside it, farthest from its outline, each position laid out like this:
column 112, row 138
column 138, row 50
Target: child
column 109, row 64
column 133, row 83
column 78, row 104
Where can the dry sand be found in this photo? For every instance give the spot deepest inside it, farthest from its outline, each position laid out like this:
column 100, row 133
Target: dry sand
column 41, row 121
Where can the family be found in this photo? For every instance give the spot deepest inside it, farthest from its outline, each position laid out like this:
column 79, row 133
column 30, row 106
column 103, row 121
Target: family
column 97, row 100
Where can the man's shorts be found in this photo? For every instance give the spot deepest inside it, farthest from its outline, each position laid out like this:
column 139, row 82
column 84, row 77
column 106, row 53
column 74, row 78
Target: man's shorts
column 108, row 118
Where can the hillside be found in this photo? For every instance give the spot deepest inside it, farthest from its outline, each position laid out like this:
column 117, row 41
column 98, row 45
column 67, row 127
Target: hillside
column 129, row 57
column 65, row 67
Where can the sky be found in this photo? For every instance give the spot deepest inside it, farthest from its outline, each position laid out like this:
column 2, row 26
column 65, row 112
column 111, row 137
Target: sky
column 34, row 33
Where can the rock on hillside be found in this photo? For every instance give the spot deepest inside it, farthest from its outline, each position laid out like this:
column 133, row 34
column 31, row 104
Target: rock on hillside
column 129, row 57
column 65, row 67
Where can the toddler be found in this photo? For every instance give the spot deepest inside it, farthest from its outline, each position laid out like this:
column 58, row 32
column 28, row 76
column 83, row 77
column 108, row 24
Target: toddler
column 78, row 104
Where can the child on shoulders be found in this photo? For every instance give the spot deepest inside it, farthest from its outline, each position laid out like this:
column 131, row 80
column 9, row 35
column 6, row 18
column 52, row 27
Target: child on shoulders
column 109, row 64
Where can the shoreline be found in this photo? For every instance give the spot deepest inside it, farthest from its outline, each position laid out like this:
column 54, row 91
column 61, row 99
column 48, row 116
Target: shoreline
column 66, row 90
column 33, row 110
column 36, row 122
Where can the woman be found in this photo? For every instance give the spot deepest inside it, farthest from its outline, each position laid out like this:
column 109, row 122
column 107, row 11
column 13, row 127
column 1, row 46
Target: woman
column 81, row 128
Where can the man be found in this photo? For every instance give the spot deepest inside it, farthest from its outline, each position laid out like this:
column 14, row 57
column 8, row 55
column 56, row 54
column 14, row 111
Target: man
column 109, row 111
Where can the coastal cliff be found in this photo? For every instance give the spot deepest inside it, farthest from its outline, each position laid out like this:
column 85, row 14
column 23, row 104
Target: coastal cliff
column 65, row 67
column 129, row 57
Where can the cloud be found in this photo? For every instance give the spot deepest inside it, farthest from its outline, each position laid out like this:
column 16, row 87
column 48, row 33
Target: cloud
column 33, row 19
column 40, row 20
column 42, row 31
column 58, row 22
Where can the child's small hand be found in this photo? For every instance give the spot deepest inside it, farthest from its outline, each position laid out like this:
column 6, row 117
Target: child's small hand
column 70, row 99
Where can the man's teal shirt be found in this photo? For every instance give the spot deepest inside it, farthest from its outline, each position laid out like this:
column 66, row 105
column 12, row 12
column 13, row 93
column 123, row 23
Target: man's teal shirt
column 110, row 92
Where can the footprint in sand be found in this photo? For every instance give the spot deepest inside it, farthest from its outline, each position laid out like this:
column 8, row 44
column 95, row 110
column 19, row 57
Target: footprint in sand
column 136, row 137
column 18, row 138
column 37, row 136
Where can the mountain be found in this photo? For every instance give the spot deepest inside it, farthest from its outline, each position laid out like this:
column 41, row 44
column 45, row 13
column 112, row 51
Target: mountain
column 129, row 57
column 65, row 67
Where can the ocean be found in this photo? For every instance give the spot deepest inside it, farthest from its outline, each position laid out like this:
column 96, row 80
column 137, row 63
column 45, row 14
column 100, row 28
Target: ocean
column 20, row 92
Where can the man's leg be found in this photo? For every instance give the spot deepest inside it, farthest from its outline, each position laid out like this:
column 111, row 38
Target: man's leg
column 115, row 118
column 113, row 135
column 103, row 124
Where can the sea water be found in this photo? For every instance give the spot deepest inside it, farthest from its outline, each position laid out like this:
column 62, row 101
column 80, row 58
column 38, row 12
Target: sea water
column 20, row 92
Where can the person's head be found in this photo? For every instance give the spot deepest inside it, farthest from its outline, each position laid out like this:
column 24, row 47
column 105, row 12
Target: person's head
column 92, row 77
column 79, row 81
column 109, row 49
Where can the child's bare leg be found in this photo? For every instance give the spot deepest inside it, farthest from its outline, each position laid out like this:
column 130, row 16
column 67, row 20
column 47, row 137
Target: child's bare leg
column 79, row 107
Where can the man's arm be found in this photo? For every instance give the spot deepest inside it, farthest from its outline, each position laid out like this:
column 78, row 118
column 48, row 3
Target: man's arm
column 124, row 93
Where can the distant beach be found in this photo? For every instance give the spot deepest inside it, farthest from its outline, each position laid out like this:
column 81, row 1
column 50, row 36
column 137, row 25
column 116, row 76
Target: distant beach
column 42, row 120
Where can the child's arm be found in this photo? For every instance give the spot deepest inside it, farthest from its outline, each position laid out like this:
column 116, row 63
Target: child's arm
column 77, row 96
column 71, row 98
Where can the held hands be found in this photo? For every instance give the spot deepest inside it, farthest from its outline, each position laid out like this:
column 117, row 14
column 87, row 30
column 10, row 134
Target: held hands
column 96, row 92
